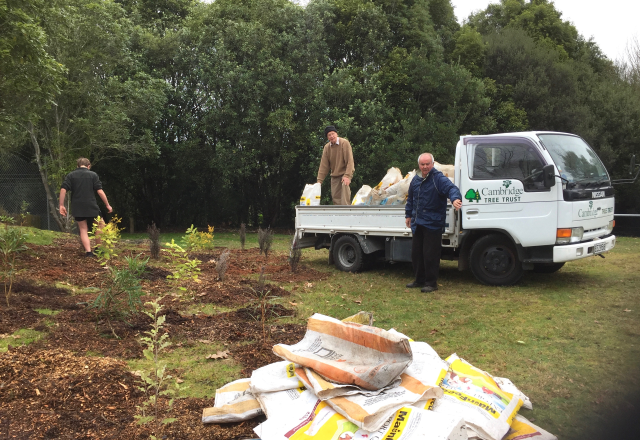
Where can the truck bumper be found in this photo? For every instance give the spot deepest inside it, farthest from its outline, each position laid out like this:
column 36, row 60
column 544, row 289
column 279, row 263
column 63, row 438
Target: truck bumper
column 577, row 251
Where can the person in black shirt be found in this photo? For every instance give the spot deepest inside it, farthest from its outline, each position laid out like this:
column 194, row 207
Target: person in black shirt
column 82, row 182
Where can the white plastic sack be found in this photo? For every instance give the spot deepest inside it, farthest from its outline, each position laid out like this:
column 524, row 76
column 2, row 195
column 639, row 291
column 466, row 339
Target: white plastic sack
column 393, row 176
column 234, row 402
column 474, row 395
column 397, row 193
column 284, row 402
column 447, row 170
column 319, row 421
column 362, row 196
column 369, row 412
column 349, row 353
column 311, row 194
column 521, row 429
column 508, row 386
column 278, row 376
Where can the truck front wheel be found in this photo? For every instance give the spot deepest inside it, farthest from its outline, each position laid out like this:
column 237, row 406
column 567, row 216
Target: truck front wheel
column 494, row 261
column 347, row 254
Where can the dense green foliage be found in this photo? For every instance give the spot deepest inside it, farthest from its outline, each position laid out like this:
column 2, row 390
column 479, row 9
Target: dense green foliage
column 203, row 113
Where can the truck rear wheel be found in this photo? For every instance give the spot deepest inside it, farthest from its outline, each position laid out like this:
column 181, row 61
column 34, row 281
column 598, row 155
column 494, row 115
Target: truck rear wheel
column 494, row 261
column 347, row 254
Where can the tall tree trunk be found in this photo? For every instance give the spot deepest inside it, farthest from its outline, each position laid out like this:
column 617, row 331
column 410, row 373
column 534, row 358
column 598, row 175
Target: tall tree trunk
column 63, row 225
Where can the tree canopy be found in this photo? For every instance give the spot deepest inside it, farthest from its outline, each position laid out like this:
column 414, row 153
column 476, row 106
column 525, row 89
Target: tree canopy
column 206, row 113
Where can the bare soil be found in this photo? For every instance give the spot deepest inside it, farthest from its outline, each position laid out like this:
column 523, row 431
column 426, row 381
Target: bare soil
column 74, row 383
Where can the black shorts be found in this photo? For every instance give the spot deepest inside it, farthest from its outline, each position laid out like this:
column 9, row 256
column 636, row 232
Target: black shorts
column 90, row 220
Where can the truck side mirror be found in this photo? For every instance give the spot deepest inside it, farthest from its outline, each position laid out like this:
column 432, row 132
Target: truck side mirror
column 549, row 176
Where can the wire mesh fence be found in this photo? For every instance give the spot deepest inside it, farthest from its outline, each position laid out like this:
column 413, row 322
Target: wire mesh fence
column 22, row 193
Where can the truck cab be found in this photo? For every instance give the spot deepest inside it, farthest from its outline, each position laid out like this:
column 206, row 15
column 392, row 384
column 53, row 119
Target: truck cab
column 531, row 201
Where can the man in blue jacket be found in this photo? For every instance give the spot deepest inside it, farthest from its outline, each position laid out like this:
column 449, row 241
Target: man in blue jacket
column 425, row 214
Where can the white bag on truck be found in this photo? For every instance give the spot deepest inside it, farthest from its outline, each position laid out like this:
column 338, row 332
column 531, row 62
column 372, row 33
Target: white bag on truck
column 447, row 170
column 234, row 403
column 398, row 192
column 311, row 194
column 394, row 175
column 349, row 353
column 362, row 196
column 475, row 396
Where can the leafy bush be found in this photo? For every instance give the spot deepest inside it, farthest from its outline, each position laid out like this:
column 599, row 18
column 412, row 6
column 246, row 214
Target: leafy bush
column 182, row 266
column 12, row 241
column 223, row 264
column 122, row 296
column 154, row 383
column 107, row 237
column 198, row 240
column 154, row 241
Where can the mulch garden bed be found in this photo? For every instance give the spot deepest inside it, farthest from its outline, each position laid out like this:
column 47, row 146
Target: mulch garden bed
column 54, row 388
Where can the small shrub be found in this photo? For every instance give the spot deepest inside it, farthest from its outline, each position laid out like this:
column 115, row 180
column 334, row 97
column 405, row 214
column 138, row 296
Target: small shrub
column 223, row 264
column 295, row 254
column 107, row 237
column 12, row 241
column 7, row 220
column 154, row 241
column 198, row 240
column 154, row 383
column 262, row 294
column 24, row 213
column 243, row 235
column 265, row 239
column 182, row 266
column 122, row 296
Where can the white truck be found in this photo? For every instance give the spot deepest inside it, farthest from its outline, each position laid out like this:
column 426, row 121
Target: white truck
column 531, row 201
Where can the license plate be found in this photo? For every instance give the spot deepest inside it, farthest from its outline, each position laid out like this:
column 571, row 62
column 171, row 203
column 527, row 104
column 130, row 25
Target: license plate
column 600, row 247
column 597, row 194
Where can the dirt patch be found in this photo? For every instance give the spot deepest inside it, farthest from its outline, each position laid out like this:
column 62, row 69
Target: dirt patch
column 55, row 388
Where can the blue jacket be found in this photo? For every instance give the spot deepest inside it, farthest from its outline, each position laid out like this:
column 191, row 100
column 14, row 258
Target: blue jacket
column 427, row 200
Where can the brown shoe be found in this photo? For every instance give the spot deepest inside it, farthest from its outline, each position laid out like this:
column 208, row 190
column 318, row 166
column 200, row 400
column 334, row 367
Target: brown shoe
column 427, row 289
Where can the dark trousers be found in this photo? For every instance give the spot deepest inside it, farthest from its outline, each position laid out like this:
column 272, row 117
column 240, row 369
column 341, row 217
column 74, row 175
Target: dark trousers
column 426, row 249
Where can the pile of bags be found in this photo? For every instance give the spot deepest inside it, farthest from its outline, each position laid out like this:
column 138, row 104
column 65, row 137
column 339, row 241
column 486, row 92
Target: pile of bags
column 347, row 380
column 393, row 189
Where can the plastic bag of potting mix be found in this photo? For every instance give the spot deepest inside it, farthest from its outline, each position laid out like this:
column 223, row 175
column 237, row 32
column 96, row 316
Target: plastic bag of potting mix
column 393, row 176
column 234, row 402
column 521, row 429
column 311, row 194
column 398, row 192
column 362, row 196
column 369, row 412
column 278, row 376
column 349, row 353
column 447, row 170
column 475, row 396
column 508, row 386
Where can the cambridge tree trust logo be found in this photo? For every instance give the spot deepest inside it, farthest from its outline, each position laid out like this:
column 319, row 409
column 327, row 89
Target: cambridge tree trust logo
column 506, row 183
column 590, row 205
column 472, row 195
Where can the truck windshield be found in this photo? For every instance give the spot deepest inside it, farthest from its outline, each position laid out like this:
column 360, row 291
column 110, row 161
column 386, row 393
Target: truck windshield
column 575, row 159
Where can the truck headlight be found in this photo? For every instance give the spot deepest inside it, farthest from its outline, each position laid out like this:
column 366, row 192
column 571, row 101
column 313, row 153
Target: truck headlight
column 569, row 235
column 610, row 226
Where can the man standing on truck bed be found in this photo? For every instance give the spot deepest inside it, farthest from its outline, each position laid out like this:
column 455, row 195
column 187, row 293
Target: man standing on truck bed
column 425, row 214
column 337, row 157
column 82, row 183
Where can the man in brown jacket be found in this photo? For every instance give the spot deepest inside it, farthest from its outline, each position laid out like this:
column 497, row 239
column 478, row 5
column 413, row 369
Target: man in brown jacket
column 337, row 157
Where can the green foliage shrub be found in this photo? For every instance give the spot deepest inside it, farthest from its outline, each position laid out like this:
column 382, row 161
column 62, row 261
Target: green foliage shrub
column 196, row 241
column 12, row 241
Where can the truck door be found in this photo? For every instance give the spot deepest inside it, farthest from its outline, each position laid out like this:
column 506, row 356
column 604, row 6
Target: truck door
column 502, row 189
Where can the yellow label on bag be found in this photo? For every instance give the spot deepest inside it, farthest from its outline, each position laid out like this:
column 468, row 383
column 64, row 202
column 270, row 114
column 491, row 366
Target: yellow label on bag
column 291, row 370
column 398, row 423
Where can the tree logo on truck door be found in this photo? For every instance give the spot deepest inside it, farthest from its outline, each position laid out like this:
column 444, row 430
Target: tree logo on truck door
column 506, row 183
column 472, row 195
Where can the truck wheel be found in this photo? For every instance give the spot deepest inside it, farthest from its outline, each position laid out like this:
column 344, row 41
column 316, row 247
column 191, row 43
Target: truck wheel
column 547, row 267
column 347, row 254
column 494, row 261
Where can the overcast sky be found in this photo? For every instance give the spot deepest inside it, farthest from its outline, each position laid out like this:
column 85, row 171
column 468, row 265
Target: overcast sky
column 611, row 23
